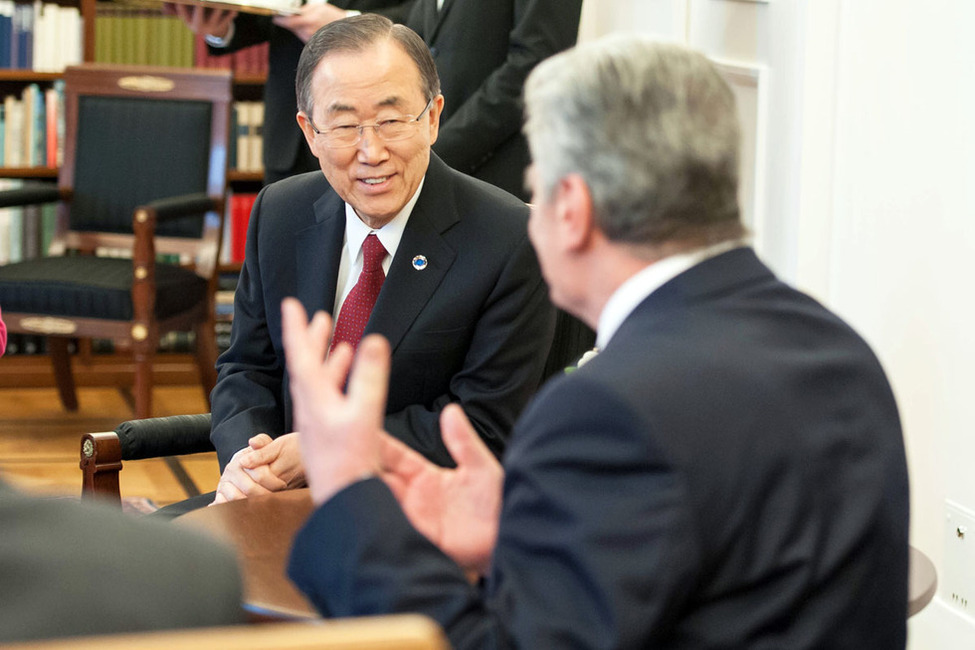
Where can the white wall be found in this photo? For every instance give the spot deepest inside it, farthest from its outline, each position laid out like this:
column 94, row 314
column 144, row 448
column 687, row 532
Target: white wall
column 901, row 262
column 865, row 197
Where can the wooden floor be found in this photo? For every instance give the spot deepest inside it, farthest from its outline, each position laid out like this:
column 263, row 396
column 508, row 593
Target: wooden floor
column 39, row 441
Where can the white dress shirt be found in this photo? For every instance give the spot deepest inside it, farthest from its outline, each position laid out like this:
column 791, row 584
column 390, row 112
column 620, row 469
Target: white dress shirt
column 632, row 292
column 355, row 234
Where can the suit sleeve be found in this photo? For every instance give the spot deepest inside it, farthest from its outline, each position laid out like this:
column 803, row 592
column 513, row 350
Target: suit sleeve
column 395, row 11
column 247, row 399
column 502, row 367
column 249, row 29
column 595, row 547
column 493, row 114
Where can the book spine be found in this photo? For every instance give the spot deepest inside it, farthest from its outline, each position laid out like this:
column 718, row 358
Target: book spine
column 14, row 134
column 51, row 127
column 6, row 31
column 256, row 137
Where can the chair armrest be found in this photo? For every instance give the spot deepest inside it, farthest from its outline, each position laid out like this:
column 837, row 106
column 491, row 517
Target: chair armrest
column 102, row 453
column 32, row 194
column 173, row 435
column 173, row 207
column 101, row 461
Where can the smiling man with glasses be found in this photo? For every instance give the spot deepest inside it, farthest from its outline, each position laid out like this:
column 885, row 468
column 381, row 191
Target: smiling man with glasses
column 388, row 239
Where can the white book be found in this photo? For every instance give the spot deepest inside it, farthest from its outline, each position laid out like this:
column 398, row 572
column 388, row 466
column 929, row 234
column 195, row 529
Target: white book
column 41, row 38
column 243, row 110
column 69, row 29
column 255, row 137
column 13, row 141
column 7, row 217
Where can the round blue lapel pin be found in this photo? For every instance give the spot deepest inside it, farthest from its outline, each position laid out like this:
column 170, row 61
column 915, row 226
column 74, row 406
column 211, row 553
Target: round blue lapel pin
column 419, row 262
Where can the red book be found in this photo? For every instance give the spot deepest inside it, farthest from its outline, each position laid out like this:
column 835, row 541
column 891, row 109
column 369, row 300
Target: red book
column 240, row 214
column 51, row 126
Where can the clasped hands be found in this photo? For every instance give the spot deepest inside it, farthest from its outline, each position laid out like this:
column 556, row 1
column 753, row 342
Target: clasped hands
column 342, row 441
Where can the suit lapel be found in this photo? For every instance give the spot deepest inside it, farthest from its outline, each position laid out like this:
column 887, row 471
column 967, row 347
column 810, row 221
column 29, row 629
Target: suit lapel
column 318, row 254
column 433, row 19
column 407, row 291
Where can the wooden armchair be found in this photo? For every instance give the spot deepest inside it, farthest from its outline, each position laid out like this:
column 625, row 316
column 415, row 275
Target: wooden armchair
column 165, row 437
column 144, row 172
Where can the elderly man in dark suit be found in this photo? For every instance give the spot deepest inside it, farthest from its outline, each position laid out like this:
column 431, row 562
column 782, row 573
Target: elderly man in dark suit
column 728, row 472
column 462, row 300
column 71, row 569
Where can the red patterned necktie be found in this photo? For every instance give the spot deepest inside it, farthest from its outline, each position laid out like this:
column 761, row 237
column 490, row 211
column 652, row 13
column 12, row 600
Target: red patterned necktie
column 358, row 305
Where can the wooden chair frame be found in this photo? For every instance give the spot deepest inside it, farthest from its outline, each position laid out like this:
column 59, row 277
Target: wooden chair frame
column 140, row 335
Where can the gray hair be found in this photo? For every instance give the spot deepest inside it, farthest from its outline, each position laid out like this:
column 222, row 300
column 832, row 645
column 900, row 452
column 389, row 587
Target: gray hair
column 653, row 130
column 355, row 34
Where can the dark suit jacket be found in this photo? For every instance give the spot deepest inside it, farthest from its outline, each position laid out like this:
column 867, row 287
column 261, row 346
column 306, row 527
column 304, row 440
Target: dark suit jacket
column 71, row 569
column 474, row 327
column 728, row 473
column 285, row 150
column 484, row 50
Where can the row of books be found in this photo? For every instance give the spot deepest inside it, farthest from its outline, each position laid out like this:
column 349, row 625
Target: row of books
column 32, row 127
column 246, row 150
column 141, row 36
column 47, row 37
column 39, row 36
column 32, row 130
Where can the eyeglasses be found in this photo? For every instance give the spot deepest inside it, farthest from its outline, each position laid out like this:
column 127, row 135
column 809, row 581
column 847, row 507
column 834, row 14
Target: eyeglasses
column 391, row 130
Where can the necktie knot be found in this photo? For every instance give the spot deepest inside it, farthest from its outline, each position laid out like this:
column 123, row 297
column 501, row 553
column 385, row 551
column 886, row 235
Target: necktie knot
column 355, row 311
column 373, row 254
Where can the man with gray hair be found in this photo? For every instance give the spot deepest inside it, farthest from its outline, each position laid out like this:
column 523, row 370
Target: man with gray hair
column 728, row 472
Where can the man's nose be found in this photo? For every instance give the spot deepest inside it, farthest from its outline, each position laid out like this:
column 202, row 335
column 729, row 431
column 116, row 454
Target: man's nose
column 372, row 148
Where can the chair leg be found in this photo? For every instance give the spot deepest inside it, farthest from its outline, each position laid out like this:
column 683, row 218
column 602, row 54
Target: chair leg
column 63, row 376
column 206, row 356
column 143, row 382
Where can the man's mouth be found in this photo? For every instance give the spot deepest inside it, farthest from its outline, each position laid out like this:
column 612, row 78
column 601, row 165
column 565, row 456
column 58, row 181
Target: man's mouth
column 375, row 181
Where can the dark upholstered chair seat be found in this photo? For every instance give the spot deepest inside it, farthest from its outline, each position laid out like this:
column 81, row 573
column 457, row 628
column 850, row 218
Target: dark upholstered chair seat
column 84, row 286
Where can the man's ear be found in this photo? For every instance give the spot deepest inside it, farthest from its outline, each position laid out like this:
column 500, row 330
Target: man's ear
column 433, row 118
column 305, row 124
column 575, row 211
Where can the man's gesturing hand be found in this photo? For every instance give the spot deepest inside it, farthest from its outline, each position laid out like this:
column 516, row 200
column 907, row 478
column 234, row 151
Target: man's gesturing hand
column 340, row 432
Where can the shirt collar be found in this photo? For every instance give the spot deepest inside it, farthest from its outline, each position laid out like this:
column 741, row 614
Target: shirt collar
column 389, row 235
column 640, row 285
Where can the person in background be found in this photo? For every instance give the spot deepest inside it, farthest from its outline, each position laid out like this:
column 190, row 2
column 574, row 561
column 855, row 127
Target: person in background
column 285, row 151
column 727, row 472
column 3, row 336
column 457, row 291
column 484, row 50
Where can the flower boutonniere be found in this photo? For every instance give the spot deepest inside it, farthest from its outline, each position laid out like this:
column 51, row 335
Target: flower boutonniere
column 583, row 360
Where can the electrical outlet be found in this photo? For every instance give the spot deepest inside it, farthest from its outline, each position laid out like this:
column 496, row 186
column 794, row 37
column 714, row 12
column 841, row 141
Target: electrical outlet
column 958, row 581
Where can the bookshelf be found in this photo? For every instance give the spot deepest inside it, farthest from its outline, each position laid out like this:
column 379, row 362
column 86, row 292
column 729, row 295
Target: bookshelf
column 249, row 68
